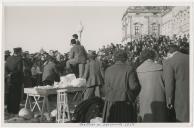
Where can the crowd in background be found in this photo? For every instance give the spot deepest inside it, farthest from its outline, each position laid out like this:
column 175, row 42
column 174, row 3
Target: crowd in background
column 135, row 47
column 34, row 62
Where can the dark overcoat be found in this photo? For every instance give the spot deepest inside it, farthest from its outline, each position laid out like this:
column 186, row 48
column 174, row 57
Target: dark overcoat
column 121, row 89
column 117, row 78
column 176, row 77
column 14, row 74
column 152, row 99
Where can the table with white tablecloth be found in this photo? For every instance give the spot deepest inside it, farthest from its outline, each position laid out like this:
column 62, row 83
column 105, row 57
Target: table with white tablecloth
column 38, row 93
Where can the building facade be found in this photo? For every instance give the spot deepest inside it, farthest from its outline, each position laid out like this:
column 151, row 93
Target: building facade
column 155, row 20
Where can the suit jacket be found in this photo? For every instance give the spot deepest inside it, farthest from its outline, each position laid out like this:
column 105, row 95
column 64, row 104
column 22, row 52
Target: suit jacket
column 78, row 53
column 176, row 78
column 94, row 73
column 120, row 79
column 50, row 72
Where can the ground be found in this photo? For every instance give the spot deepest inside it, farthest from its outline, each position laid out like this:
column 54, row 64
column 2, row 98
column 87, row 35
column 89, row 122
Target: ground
column 11, row 118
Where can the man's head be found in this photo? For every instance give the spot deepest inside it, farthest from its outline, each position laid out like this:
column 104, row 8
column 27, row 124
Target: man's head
column 17, row 51
column 7, row 53
column 75, row 36
column 147, row 54
column 172, row 49
column 51, row 52
column 120, row 55
column 26, row 54
column 73, row 41
column 92, row 54
column 50, row 58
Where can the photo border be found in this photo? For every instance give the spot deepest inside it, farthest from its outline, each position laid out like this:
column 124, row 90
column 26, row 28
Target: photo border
column 95, row 3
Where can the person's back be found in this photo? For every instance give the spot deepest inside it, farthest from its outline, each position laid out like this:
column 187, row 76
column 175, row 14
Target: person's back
column 79, row 53
column 177, row 69
column 49, row 73
column 116, row 80
column 180, row 62
column 152, row 100
column 77, row 57
column 95, row 72
column 121, row 89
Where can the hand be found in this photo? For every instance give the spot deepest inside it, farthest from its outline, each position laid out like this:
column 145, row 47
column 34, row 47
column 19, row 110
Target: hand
column 169, row 106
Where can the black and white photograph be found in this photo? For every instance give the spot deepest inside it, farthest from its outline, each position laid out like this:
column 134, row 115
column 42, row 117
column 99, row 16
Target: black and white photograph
column 90, row 64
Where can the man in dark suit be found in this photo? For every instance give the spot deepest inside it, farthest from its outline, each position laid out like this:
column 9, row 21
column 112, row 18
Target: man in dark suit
column 14, row 74
column 176, row 78
column 78, row 56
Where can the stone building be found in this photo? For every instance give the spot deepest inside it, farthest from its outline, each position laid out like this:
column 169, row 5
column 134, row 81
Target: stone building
column 155, row 20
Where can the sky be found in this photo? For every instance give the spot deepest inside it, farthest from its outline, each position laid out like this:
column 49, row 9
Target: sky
column 51, row 27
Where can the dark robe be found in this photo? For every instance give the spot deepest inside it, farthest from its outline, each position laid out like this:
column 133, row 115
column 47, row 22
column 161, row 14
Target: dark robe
column 14, row 73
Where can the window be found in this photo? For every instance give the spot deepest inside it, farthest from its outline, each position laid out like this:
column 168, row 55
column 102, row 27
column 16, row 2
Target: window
column 154, row 28
column 137, row 29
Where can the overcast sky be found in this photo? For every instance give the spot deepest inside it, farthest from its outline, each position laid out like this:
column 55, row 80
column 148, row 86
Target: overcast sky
column 33, row 28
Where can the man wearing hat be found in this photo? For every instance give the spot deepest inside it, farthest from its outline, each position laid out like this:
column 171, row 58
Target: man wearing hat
column 14, row 74
column 7, row 54
column 94, row 73
column 121, row 90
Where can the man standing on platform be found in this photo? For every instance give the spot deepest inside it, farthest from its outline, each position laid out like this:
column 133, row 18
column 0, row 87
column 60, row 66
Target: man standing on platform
column 77, row 56
column 75, row 36
column 176, row 78
column 14, row 74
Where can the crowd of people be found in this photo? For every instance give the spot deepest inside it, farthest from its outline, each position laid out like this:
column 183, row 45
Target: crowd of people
column 149, row 72
column 135, row 47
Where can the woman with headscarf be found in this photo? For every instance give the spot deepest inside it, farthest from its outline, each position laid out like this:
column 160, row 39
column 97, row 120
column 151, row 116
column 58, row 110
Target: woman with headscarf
column 152, row 95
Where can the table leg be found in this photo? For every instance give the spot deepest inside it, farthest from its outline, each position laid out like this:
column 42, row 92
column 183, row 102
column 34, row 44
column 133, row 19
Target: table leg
column 47, row 104
column 29, row 100
column 43, row 107
column 67, row 106
column 26, row 101
column 36, row 103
